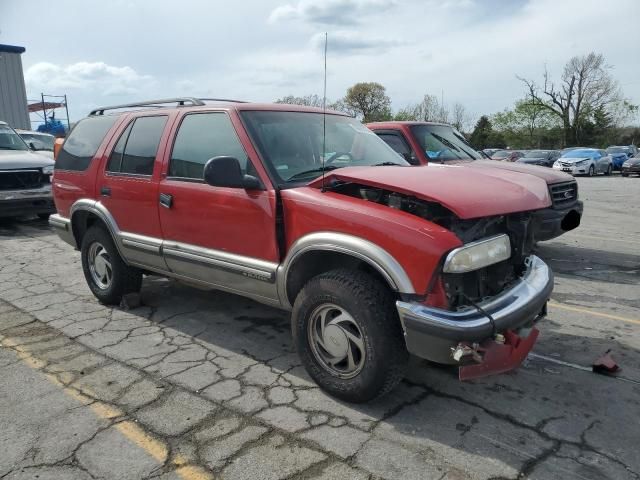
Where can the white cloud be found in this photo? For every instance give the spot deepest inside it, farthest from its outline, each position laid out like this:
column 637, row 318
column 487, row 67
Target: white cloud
column 96, row 77
column 343, row 43
column 330, row 12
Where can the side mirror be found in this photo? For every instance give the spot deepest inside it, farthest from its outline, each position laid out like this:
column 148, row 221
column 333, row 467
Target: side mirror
column 226, row 172
column 32, row 146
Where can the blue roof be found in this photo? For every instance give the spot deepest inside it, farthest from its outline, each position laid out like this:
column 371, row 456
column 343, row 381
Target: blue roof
column 11, row 48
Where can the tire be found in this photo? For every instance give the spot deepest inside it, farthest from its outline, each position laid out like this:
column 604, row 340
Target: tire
column 371, row 318
column 592, row 171
column 44, row 216
column 624, row 174
column 609, row 171
column 99, row 257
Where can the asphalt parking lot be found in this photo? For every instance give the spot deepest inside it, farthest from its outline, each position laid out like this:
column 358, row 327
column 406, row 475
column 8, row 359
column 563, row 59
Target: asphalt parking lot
column 197, row 384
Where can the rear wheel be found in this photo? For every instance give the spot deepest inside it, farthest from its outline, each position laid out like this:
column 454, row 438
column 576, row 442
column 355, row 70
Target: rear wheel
column 609, row 170
column 624, row 174
column 348, row 335
column 592, row 171
column 108, row 277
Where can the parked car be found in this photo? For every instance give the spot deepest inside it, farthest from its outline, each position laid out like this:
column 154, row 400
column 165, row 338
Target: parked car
column 631, row 166
column 490, row 151
column 25, row 178
column 620, row 154
column 374, row 258
column 544, row 158
column 427, row 143
column 585, row 161
column 38, row 142
column 507, row 155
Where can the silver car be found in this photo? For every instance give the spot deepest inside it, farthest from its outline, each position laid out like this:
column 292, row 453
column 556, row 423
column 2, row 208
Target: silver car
column 585, row 161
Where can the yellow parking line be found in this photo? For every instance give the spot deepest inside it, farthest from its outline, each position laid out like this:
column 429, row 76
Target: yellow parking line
column 592, row 312
column 128, row 428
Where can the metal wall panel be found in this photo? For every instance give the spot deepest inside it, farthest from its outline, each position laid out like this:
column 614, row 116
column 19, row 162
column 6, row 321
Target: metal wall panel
column 13, row 96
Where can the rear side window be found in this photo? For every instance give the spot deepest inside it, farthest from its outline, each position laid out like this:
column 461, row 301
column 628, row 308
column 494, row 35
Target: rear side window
column 203, row 136
column 135, row 152
column 83, row 142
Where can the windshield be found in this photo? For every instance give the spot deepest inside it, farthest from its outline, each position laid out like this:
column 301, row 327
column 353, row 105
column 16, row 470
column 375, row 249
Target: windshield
column 443, row 143
column 579, row 153
column 536, row 154
column 618, row 150
column 10, row 140
column 291, row 144
column 40, row 142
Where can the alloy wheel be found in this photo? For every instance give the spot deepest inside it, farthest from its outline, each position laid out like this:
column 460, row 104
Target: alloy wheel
column 336, row 341
column 100, row 266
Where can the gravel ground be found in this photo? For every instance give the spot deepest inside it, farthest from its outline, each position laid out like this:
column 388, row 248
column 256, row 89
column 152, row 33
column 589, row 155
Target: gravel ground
column 197, row 384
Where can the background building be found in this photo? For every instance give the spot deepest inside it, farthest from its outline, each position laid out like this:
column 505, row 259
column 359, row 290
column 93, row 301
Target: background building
column 13, row 95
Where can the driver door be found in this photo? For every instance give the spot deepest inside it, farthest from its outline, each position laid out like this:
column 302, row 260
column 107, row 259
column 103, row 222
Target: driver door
column 216, row 235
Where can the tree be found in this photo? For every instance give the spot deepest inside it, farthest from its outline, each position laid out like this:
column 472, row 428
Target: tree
column 459, row 117
column 427, row 110
column 368, row 100
column 524, row 125
column 312, row 100
column 585, row 86
column 483, row 135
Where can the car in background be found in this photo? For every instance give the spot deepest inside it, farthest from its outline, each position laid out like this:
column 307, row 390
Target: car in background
column 585, row 161
column 544, row 158
column 631, row 166
column 38, row 142
column 507, row 155
column 621, row 154
column 490, row 151
column 25, row 178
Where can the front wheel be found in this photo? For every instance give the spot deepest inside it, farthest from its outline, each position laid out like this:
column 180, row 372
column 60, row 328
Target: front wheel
column 609, row 170
column 348, row 335
column 108, row 277
column 592, row 171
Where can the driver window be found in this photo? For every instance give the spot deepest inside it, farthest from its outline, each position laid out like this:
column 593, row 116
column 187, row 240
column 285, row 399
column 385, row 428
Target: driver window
column 202, row 136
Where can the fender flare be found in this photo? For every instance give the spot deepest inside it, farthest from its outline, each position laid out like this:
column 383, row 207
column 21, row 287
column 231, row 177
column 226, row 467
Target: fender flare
column 98, row 209
column 365, row 250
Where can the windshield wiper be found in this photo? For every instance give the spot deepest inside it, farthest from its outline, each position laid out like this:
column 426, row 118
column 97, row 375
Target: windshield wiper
column 384, row 164
column 326, row 168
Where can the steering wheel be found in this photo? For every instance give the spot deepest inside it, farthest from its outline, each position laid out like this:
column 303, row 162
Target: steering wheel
column 337, row 155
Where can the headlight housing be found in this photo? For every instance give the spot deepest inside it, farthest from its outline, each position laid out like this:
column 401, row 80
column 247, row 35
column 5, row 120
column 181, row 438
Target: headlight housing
column 475, row 255
column 48, row 170
column 581, row 162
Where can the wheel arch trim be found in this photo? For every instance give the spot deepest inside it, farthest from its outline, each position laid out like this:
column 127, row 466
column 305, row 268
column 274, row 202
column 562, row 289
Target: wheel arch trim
column 98, row 209
column 374, row 255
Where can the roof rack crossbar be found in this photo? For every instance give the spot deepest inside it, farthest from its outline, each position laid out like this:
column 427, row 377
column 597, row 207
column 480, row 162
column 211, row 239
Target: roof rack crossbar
column 222, row 100
column 181, row 101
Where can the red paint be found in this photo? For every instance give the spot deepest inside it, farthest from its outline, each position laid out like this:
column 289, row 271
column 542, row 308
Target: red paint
column 404, row 128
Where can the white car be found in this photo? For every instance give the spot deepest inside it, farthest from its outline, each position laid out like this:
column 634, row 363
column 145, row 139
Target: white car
column 585, row 161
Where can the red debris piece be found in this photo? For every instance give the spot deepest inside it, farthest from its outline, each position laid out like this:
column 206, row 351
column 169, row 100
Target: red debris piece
column 605, row 364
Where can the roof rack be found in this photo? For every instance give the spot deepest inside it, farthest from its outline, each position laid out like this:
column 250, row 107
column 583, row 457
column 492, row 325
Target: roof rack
column 181, row 101
column 223, row 100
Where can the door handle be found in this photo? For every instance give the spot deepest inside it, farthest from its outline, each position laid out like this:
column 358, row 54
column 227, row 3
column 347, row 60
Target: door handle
column 166, row 200
column 105, row 191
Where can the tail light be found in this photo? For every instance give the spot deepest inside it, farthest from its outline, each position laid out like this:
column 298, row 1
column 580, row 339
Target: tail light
column 57, row 146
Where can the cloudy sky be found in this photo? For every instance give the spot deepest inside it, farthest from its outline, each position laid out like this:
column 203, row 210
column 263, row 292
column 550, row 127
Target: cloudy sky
column 469, row 51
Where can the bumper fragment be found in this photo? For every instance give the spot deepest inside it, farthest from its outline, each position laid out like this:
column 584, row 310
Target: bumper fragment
column 62, row 226
column 553, row 222
column 431, row 333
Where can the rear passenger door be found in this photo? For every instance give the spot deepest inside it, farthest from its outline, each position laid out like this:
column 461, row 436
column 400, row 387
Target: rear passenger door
column 218, row 235
column 128, row 188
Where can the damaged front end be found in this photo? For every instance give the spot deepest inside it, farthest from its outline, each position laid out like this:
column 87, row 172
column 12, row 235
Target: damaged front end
column 481, row 309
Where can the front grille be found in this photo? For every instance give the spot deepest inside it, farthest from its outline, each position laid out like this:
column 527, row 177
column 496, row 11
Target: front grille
column 563, row 194
column 20, row 179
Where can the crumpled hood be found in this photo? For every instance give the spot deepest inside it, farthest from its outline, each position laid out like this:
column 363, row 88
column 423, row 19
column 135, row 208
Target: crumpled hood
column 467, row 192
column 573, row 160
column 15, row 159
column 547, row 174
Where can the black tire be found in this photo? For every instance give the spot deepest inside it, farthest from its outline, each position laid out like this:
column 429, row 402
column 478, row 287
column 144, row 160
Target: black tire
column 371, row 306
column 592, row 171
column 44, row 216
column 624, row 174
column 609, row 170
column 124, row 279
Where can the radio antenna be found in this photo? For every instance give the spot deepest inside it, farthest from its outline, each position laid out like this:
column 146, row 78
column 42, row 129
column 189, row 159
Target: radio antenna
column 324, row 111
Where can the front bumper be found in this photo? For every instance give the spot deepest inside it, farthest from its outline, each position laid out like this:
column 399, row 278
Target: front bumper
column 33, row 201
column 431, row 333
column 629, row 170
column 553, row 222
column 62, row 226
column 574, row 169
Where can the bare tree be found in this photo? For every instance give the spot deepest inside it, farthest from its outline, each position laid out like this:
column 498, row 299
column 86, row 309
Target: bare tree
column 460, row 119
column 312, row 100
column 585, row 86
column 428, row 110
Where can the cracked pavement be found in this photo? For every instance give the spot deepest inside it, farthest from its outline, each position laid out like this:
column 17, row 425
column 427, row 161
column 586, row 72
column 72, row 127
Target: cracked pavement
column 200, row 384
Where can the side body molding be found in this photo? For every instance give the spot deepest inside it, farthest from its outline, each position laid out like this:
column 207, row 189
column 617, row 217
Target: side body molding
column 357, row 247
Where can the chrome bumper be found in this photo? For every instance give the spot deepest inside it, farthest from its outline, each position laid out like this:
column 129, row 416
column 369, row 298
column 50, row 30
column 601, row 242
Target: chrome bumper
column 430, row 332
column 62, row 226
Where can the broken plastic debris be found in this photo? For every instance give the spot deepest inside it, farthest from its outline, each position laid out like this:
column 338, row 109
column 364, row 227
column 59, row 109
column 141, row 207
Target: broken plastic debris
column 605, row 364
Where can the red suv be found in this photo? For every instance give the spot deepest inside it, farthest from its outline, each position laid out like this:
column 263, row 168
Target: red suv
column 424, row 143
column 312, row 213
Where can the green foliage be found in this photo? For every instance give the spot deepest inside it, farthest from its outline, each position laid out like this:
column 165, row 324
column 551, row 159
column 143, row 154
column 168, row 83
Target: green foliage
column 369, row 101
column 483, row 135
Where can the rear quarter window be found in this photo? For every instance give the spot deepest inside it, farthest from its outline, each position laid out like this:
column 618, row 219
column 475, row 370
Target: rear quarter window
column 83, row 142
